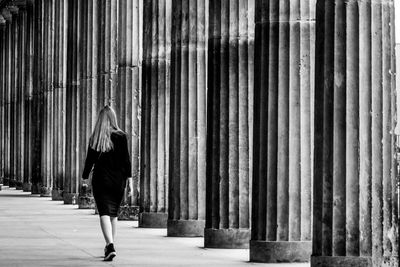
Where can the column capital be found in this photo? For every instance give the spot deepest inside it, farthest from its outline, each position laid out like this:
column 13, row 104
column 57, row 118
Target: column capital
column 2, row 20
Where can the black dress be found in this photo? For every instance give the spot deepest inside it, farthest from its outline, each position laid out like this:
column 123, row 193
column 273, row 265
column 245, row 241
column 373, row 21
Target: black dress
column 111, row 169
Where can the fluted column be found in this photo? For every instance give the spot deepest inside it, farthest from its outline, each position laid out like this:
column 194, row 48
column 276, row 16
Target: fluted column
column 392, row 203
column 2, row 97
column 283, row 78
column 108, row 49
column 186, row 212
column 390, row 207
column 88, row 91
column 19, row 106
column 59, row 97
column 27, row 91
column 155, row 114
column 228, row 169
column 127, row 102
column 21, row 127
column 7, row 84
column 47, row 91
column 353, row 187
column 37, row 99
column 13, row 97
column 72, row 175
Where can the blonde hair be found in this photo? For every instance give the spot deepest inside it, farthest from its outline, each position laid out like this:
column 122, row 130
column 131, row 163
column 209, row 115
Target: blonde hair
column 106, row 124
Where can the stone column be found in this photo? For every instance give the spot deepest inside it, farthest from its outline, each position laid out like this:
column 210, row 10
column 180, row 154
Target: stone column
column 228, row 184
column 2, row 100
column 88, row 91
column 108, row 48
column 352, row 205
column 59, row 95
column 74, row 58
column 281, row 196
column 155, row 114
column 13, row 97
column 7, row 77
column 28, row 95
column 390, row 189
column 19, row 62
column 392, row 203
column 127, row 103
column 37, row 99
column 186, row 212
column 22, row 21
column 47, row 90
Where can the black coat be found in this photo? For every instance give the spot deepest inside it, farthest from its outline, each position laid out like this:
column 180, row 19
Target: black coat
column 109, row 174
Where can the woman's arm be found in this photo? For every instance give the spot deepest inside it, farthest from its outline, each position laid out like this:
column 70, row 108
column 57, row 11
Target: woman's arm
column 90, row 158
column 126, row 158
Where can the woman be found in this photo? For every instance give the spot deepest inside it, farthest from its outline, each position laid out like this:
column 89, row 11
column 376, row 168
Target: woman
column 108, row 158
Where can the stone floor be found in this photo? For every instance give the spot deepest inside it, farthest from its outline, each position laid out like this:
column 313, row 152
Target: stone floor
column 36, row 231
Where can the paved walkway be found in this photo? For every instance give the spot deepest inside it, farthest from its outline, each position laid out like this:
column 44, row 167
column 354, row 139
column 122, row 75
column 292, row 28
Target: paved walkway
column 36, row 231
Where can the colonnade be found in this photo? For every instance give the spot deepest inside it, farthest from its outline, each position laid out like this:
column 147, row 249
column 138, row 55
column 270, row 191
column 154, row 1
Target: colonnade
column 56, row 77
column 260, row 124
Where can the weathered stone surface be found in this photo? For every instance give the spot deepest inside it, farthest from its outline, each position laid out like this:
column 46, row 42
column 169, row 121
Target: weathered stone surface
column 228, row 124
column 335, row 261
column 19, row 185
column 35, row 189
column 226, row 238
column 70, row 198
column 26, row 187
column 57, row 194
column 86, row 202
column 280, row 251
column 153, row 219
column 187, row 164
column 45, row 191
column 12, row 182
column 154, row 158
column 185, row 228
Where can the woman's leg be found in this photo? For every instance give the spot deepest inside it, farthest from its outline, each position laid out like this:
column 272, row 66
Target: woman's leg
column 106, row 228
column 114, row 226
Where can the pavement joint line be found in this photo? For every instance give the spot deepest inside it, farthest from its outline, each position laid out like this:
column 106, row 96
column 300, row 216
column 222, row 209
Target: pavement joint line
column 65, row 241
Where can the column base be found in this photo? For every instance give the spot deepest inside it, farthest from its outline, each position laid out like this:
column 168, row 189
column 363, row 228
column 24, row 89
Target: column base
column 153, row 219
column 57, row 195
column 128, row 213
column 45, row 192
column 1, row 187
column 19, row 185
column 342, row 261
column 86, row 202
column 35, row 189
column 27, row 187
column 6, row 181
column 280, row 251
column 12, row 183
column 226, row 238
column 185, row 228
column 70, row 198
column 392, row 261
